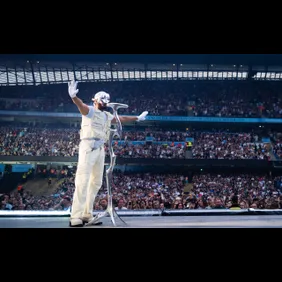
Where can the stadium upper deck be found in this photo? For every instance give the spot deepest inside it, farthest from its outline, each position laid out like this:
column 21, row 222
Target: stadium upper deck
column 42, row 69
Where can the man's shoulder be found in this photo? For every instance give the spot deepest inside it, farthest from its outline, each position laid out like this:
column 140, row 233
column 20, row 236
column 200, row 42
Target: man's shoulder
column 91, row 108
column 90, row 113
column 109, row 115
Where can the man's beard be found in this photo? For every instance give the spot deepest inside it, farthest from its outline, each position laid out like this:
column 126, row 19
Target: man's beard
column 102, row 107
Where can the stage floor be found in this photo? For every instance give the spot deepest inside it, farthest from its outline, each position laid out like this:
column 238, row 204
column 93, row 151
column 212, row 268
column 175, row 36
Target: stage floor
column 243, row 221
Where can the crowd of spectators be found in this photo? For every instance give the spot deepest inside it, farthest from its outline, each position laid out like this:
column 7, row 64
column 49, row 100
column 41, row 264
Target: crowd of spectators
column 163, row 191
column 276, row 138
column 65, row 143
column 154, row 191
column 229, row 146
column 38, row 142
column 169, row 98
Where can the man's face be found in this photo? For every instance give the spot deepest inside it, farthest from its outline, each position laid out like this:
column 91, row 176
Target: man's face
column 120, row 203
column 242, row 205
column 101, row 106
column 66, row 203
column 218, row 202
column 201, row 203
column 103, row 203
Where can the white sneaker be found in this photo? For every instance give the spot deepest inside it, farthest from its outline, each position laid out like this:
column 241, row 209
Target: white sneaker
column 76, row 222
column 88, row 219
column 96, row 220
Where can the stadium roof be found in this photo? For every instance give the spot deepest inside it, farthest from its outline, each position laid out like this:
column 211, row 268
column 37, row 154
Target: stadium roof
column 246, row 59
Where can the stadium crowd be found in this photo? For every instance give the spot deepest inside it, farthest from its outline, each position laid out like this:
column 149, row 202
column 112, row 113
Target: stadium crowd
column 146, row 191
column 169, row 98
column 229, row 146
column 163, row 191
column 276, row 138
column 65, row 143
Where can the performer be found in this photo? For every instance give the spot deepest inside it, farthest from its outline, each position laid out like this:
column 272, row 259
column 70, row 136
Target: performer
column 95, row 131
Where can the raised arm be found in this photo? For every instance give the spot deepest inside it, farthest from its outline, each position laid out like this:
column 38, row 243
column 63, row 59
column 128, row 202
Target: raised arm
column 83, row 108
column 124, row 119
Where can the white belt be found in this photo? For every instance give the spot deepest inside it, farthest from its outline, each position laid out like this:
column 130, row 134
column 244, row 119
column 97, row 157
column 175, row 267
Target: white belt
column 97, row 143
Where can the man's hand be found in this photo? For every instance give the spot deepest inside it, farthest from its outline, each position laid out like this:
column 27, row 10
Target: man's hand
column 72, row 88
column 83, row 108
column 142, row 116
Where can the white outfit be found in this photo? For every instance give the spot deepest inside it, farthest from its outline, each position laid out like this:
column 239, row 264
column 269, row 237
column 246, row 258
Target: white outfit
column 95, row 130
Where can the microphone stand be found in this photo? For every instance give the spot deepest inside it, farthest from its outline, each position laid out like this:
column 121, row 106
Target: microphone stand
column 109, row 172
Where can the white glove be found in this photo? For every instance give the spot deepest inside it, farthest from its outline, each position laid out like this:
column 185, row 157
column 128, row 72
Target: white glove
column 142, row 116
column 72, row 88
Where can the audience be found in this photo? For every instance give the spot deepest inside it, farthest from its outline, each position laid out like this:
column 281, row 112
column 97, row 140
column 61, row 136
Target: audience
column 134, row 191
column 64, row 142
column 163, row 191
column 167, row 98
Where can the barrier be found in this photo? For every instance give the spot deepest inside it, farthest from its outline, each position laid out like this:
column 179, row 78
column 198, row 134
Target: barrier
column 137, row 213
column 150, row 118
column 209, row 212
column 203, row 163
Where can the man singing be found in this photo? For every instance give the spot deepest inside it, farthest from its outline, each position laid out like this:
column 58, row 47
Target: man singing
column 95, row 131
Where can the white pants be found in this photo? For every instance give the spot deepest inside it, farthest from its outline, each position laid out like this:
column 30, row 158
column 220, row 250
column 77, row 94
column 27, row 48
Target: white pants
column 88, row 180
